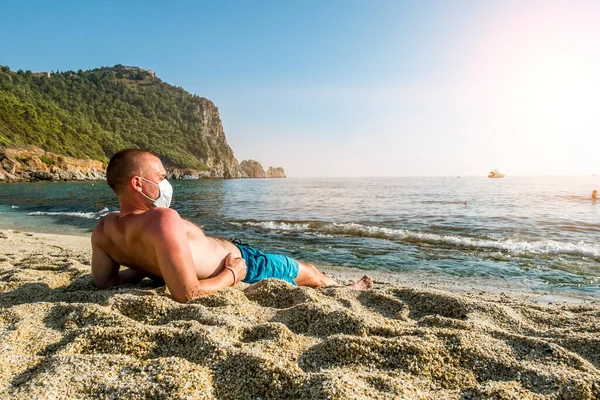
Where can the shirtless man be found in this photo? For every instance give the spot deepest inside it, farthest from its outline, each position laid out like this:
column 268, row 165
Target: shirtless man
column 152, row 240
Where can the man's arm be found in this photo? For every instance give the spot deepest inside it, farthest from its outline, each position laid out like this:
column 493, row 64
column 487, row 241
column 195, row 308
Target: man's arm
column 168, row 236
column 105, row 271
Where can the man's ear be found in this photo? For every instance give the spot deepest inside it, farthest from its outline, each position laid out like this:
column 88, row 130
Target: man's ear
column 136, row 183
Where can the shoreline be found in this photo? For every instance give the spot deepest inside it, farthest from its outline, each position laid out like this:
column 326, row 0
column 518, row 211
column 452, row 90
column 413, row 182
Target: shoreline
column 79, row 240
column 61, row 336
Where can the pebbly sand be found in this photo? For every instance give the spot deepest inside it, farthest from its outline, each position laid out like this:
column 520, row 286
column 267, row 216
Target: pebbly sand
column 62, row 338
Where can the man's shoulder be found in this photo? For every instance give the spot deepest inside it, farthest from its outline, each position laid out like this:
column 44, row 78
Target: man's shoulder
column 99, row 233
column 161, row 218
column 157, row 216
column 158, row 224
column 163, row 212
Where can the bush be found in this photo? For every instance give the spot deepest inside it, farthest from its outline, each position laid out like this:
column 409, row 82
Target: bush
column 46, row 160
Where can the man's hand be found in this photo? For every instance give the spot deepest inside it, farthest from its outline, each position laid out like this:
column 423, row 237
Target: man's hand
column 238, row 265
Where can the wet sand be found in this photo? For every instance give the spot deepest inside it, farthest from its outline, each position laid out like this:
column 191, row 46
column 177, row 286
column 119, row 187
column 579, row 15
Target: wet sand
column 62, row 338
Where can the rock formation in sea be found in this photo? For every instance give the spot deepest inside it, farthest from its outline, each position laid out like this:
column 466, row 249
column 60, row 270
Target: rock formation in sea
column 251, row 169
column 275, row 172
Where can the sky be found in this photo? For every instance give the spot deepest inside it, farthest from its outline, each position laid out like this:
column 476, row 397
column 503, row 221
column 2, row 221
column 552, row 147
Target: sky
column 353, row 88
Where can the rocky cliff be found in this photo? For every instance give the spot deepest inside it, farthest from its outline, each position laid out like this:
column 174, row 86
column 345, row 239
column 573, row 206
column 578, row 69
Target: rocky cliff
column 220, row 162
column 30, row 163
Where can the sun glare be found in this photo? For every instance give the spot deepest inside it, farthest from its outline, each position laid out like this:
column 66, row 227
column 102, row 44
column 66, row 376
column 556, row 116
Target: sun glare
column 536, row 76
column 557, row 90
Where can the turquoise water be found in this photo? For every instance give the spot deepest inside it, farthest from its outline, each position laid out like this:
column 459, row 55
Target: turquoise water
column 537, row 233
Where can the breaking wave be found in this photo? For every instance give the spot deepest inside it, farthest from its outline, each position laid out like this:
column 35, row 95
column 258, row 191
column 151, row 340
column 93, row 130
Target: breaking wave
column 513, row 246
column 74, row 214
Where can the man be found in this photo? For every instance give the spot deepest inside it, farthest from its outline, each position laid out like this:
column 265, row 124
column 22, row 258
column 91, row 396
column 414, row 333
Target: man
column 152, row 240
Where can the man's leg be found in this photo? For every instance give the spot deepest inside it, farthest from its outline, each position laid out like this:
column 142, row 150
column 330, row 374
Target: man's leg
column 309, row 275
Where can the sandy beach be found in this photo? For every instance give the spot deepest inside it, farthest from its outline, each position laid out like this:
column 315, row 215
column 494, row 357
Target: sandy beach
column 62, row 338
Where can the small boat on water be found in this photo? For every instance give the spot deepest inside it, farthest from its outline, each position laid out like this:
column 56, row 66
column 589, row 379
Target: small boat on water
column 495, row 174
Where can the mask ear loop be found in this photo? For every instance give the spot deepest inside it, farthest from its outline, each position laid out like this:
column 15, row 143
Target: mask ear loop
column 154, row 183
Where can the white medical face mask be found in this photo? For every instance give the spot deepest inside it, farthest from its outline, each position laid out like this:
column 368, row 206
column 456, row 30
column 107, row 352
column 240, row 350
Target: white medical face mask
column 165, row 193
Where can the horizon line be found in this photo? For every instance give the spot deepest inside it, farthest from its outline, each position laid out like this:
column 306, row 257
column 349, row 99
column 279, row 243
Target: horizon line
column 447, row 176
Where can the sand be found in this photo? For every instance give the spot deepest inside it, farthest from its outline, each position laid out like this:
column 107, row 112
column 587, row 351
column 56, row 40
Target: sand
column 62, row 338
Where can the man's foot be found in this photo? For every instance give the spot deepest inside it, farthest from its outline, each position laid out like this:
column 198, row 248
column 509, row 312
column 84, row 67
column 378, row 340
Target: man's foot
column 365, row 283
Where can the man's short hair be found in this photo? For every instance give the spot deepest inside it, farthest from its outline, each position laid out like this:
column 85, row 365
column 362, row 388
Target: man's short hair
column 124, row 165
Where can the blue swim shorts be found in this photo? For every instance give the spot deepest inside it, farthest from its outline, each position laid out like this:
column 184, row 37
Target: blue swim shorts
column 262, row 266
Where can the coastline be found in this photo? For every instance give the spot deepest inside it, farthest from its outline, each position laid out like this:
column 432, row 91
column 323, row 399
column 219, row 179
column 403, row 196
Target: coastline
column 411, row 339
column 30, row 163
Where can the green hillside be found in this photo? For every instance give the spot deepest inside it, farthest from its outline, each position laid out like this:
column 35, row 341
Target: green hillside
column 98, row 112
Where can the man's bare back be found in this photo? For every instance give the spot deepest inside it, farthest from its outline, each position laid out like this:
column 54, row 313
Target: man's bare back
column 153, row 240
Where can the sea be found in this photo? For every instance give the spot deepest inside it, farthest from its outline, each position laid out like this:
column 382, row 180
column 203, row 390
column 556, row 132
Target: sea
column 537, row 234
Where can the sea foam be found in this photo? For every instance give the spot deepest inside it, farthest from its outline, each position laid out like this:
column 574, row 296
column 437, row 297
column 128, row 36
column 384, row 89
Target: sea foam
column 75, row 214
column 518, row 247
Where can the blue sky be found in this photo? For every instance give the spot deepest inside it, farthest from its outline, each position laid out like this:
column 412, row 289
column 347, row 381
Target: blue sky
column 353, row 88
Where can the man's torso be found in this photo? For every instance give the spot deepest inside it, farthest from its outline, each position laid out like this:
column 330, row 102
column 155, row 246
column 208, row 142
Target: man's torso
column 125, row 240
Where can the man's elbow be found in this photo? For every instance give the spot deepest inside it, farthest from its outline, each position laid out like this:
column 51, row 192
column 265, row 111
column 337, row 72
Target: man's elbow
column 186, row 296
column 183, row 298
column 180, row 299
column 102, row 283
column 98, row 285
